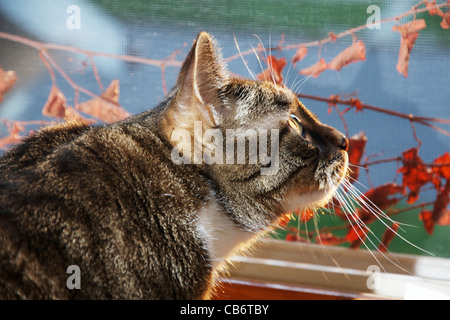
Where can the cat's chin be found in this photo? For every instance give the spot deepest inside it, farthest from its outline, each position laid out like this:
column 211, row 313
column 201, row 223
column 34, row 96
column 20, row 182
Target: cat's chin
column 323, row 194
column 317, row 198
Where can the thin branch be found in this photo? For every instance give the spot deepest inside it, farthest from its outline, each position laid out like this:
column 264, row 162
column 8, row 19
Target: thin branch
column 50, row 46
column 351, row 102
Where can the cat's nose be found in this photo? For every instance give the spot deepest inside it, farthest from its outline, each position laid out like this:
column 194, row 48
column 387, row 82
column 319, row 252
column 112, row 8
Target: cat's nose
column 343, row 143
column 338, row 139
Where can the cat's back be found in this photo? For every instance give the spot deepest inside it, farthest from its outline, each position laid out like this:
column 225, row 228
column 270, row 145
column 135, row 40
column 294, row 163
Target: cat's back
column 103, row 198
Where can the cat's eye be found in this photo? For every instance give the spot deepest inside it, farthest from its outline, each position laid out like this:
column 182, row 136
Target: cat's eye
column 296, row 124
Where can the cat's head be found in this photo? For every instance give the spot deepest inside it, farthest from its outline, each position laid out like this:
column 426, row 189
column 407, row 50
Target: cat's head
column 290, row 159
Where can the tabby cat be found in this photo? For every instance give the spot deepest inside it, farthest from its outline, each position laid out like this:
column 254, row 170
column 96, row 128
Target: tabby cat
column 116, row 202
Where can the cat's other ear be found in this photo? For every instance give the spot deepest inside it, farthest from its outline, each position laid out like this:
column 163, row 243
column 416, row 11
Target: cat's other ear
column 201, row 76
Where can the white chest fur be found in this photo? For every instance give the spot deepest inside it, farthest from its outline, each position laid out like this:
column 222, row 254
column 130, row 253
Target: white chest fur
column 221, row 235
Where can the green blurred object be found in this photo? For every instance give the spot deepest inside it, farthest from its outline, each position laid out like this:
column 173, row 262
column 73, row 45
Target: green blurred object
column 292, row 16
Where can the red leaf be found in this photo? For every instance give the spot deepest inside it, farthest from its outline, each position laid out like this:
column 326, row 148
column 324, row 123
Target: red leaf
column 409, row 32
column 441, row 203
column 387, row 237
column 442, row 168
column 331, row 103
column 357, row 104
column 354, row 53
column 356, row 235
column 301, row 52
column 295, row 237
column 444, row 220
column 105, row 107
column 284, row 220
column 380, row 195
column 274, row 69
column 356, row 147
column 440, row 214
column 316, row 69
column 305, row 215
column 415, row 173
column 7, row 80
column 428, row 222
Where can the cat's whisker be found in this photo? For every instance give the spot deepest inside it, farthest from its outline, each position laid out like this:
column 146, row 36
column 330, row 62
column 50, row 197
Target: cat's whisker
column 369, row 206
column 287, row 74
column 301, row 84
column 356, row 166
column 243, row 59
column 269, row 65
column 364, row 226
column 257, row 58
column 373, row 209
column 348, row 212
column 396, row 263
column 358, row 182
column 270, row 54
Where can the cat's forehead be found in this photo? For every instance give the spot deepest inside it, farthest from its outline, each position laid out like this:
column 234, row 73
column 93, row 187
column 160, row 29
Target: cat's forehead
column 262, row 92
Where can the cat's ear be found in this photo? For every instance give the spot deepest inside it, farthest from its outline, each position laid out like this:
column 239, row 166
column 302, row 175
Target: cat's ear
column 200, row 79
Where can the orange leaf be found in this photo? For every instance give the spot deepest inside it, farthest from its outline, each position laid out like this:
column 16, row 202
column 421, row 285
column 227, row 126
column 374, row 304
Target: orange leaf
column 354, row 53
column 433, row 11
column 332, row 103
column 316, row 69
column 445, row 23
column 409, row 32
column 301, row 52
column 13, row 137
column 333, row 36
column 7, row 80
column 56, row 104
column 105, row 107
column 74, row 115
column 410, row 27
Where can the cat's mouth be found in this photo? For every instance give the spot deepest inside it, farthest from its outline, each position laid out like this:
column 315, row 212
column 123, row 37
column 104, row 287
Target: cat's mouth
column 330, row 173
column 328, row 176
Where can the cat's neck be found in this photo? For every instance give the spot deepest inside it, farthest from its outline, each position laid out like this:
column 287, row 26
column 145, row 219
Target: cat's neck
column 222, row 236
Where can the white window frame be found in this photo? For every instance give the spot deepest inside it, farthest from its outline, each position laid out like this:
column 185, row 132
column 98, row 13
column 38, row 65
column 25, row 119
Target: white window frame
column 341, row 271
